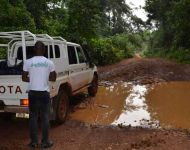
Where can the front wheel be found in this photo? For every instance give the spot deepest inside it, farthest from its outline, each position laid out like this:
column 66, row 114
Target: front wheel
column 62, row 107
column 92, row 90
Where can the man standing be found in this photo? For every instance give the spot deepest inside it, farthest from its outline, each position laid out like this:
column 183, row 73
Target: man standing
column 38, row 70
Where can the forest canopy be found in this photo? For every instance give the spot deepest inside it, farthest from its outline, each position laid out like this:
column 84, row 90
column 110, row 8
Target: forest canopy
column 98, row 23
column 107, row 27
column 171, row 37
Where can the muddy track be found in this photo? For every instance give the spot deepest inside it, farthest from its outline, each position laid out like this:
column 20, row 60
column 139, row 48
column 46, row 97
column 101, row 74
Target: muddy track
column 74, row 135
column 146, row 71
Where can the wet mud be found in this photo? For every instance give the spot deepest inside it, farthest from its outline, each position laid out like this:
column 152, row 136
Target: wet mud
column 163, row 105
column 169, row 103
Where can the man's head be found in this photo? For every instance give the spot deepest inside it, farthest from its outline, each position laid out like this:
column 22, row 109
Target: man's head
column 39, row 48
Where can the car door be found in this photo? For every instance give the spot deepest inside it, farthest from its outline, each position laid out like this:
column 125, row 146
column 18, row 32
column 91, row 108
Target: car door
column 83, row 67
column 73, row 67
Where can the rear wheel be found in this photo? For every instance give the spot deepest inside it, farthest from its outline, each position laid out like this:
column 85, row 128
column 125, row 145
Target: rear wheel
column 92, row 90
column 62, row 107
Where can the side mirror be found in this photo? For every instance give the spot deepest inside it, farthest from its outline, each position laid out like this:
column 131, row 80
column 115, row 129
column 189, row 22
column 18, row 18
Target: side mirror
column 91, row 64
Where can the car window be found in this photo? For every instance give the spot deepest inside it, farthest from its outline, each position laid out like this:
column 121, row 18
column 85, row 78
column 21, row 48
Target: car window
column 51, row 52
column 72, row 55
column 57, row 51
column 80, row 55
column 46, row 52
column 29, row 52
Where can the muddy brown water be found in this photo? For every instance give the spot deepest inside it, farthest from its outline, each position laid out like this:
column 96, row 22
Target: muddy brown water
column 160, row 105
column 170, row 104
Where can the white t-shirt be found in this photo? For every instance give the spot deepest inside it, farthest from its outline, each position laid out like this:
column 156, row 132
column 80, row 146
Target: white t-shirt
column 39, row 68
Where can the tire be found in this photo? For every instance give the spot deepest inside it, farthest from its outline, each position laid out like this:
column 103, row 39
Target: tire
column 62, row 107
column 93, row 89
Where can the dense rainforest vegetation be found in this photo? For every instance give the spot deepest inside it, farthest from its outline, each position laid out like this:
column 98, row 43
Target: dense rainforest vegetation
column 107, row 28
column 170, row 37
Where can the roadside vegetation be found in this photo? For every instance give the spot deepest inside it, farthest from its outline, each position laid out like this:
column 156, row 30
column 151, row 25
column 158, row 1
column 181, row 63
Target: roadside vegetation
column 169, row 22
column 107, row 29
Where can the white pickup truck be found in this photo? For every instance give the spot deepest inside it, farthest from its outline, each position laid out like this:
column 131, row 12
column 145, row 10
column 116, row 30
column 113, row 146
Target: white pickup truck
column 74, row 68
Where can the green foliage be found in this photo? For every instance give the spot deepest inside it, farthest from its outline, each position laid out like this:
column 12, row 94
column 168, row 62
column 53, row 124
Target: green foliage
column 84, row 16
column 15, row 17
column 180, row 23
column 3, row 53
column 38, row 9
column 104, row 51
column 127, row 42
column 110, row 50
column 181, row 56
column 116, row 10
column 172, row 20
column 108, row 27
column 57, row 22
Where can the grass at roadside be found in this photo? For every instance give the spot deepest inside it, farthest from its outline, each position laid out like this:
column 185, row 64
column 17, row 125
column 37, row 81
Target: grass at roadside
column 181, row 55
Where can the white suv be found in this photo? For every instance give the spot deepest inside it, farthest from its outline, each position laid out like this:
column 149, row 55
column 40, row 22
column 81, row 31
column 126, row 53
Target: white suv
column 74, row 68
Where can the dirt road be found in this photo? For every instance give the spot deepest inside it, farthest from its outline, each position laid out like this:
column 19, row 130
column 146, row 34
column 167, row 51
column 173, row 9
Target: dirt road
column 75, row 135
column 146, row 71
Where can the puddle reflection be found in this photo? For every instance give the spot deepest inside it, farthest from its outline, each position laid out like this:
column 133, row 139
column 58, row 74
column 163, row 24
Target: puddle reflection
column 166, row 104
column 135, row 108
column 121, row 103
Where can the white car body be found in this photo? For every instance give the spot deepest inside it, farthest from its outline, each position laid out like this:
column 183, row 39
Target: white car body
column 76, row 75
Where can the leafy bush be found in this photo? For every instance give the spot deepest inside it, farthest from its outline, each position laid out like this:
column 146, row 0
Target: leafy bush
column 3, row 53
column 180, row 55
column 115, row 48
column 103, row 51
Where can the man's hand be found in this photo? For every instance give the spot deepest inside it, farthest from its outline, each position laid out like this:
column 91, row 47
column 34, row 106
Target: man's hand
column 52, row 76
column 25, row 77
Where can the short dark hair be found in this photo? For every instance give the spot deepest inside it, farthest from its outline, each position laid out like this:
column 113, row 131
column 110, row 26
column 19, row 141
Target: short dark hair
column 39, row 45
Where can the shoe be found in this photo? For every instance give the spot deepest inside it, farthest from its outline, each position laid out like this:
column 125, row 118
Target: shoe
column 33, row 145
column 47, row 145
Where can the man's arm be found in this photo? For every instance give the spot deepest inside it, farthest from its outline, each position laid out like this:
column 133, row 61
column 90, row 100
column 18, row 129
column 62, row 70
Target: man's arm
column 25, row 77
column 52, row 76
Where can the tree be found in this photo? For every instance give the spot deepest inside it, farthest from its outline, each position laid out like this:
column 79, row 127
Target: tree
column 84, row 18
column 117, row 12
column 14, row 16
column 39, row 11
column 57, row 20
column 172, row 20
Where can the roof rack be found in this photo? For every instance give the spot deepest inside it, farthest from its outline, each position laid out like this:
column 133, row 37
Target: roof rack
column 17, row 35
column 59, row 38
column 25, row 35
column 44, row 36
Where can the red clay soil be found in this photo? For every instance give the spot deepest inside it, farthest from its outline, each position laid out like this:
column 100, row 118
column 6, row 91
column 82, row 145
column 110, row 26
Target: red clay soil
column 145, row 70
column 79, row 136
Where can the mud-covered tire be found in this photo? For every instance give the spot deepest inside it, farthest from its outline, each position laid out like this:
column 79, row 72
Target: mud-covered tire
column 93, row 88
column 62, row 107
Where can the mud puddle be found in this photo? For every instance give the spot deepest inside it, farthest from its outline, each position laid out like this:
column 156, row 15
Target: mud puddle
column 155, row 106
column 115, row 104
column 170, row 104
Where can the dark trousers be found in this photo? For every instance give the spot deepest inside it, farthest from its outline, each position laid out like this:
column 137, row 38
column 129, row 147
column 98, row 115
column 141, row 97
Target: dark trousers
column 39, row 102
